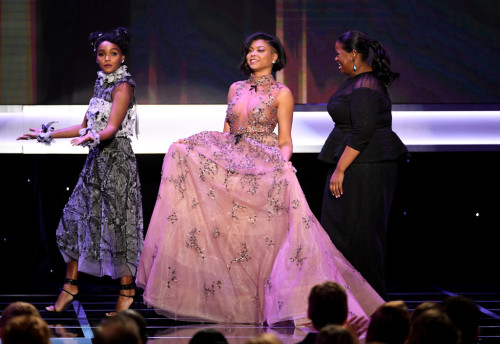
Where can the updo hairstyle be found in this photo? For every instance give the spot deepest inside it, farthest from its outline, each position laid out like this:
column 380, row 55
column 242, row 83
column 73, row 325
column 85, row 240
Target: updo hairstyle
column 119, row 36
column 381, row 63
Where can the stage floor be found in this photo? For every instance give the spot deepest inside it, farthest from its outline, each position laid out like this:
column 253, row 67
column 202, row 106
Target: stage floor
column 76, row 324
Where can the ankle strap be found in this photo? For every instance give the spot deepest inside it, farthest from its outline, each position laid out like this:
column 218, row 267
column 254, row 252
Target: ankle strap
column 70, row 281
column 127, row 286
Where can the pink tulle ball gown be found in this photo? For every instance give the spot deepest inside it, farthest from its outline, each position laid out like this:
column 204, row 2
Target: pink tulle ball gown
column 232, row 238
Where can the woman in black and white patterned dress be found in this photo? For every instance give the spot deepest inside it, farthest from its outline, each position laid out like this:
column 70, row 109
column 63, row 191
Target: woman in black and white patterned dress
column 101, row 229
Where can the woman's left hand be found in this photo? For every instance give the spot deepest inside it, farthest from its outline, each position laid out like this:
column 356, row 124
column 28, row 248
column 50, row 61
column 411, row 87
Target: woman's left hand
column 290, row 166
column 79, row 140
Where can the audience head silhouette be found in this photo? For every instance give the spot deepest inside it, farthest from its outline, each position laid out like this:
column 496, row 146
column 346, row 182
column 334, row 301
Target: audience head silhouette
column 139, row 320
column 25, row 329
column 433, row 327
column 465, row 314
column 422, row 307
column 118, row 329
column 17, row 308
column 335, row 334
column 327, row 304
column 389, row 324
column 208, row 336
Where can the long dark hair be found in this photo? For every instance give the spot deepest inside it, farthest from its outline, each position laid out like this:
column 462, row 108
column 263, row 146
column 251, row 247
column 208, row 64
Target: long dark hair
column 119, row 36
column 381, row 64
column 273, row 41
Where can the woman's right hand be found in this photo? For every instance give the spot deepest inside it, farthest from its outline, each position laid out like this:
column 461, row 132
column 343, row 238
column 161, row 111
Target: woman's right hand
column 33, row 135
column 336, row 183
column 337, row 179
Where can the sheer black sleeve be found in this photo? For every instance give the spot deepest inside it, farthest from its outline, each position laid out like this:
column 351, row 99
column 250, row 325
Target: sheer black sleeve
column 364, row 107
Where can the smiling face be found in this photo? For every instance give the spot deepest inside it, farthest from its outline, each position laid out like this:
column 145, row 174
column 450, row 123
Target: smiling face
column 109, row 57
column 343, row 59
column 260, row 57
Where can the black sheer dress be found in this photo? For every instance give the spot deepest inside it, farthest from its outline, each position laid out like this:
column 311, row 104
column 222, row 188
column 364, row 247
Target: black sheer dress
column 357, row 221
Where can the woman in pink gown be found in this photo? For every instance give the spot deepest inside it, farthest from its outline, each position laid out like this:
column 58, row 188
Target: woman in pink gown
column 232, row 238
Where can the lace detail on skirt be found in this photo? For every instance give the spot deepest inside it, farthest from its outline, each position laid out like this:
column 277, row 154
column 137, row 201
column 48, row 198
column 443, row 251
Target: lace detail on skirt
column 102, row 223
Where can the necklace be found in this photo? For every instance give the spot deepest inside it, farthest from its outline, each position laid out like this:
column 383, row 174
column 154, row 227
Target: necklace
column 255, row 81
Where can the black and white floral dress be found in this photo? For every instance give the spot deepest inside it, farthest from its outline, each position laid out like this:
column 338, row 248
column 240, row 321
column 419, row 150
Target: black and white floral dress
column 102, row 223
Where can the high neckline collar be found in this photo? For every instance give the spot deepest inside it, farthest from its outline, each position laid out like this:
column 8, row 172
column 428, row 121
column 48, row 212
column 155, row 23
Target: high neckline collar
column 118, row 74
column 260, row 80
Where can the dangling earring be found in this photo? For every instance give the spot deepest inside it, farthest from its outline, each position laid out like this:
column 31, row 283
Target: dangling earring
column 354, row 66
column 123, row 61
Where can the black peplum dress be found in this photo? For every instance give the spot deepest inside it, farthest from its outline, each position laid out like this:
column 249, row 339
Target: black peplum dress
column 357, row 221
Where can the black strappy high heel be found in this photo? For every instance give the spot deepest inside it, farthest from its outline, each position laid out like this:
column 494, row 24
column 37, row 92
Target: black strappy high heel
column 135, row 297
column 75, row 297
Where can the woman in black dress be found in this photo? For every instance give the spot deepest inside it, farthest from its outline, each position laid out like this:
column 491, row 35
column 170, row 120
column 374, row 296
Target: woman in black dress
column 363, row 151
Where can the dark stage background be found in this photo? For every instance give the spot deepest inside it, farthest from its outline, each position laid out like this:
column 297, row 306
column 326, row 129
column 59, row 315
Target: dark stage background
column 442, row 233
column 445, row 215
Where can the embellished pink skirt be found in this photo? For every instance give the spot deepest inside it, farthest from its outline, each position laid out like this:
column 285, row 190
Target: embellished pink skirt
column 232, row 238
